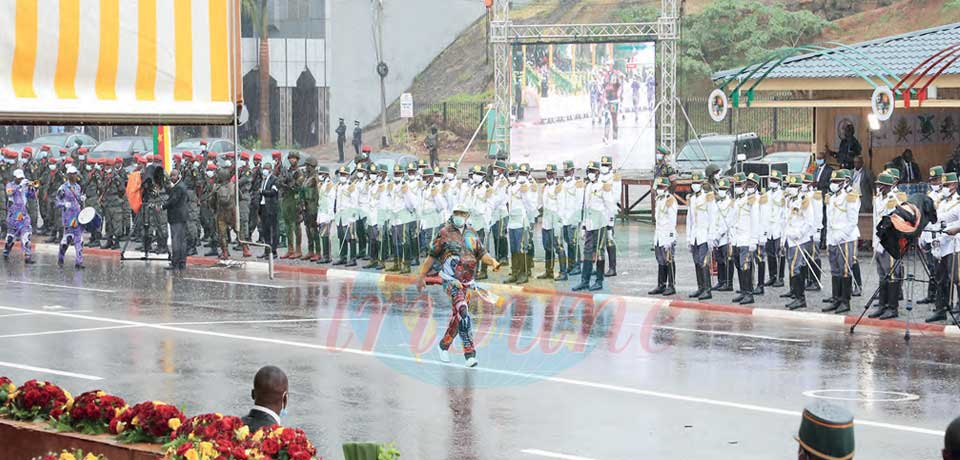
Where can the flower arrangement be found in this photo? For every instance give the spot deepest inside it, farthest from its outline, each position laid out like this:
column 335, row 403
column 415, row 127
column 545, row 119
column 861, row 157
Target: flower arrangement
column 150, row 421
column 6, row 389
column 71, row 455
column 211, row 436
column 91, row 413
column 38, row 400
column 279, row 443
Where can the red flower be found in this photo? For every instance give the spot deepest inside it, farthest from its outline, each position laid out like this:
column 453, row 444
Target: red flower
column 270, row 446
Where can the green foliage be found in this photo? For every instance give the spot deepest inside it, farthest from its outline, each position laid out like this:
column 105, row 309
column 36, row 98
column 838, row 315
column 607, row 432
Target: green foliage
column 637, row 14
column 951, row 4
column 485, row 96
column 734, row 33
column 388, row 452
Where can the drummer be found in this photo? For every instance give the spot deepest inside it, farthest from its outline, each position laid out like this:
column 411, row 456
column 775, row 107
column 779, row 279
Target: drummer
column 69, row 199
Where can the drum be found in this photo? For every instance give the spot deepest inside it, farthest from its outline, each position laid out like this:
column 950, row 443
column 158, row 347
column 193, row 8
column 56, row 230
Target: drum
column 90, row 220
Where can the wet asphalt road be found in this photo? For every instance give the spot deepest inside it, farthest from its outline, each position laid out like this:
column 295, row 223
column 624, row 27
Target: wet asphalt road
column 557, row 375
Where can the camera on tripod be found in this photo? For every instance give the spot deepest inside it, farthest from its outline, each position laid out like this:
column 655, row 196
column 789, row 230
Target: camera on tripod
column 899, row 230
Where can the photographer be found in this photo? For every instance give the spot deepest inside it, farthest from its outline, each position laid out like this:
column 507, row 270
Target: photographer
column 177, row 215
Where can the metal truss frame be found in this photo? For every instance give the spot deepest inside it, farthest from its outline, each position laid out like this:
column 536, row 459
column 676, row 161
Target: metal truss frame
column 504, row 34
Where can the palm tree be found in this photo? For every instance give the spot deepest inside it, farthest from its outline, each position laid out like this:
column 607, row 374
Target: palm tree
column 256, row 10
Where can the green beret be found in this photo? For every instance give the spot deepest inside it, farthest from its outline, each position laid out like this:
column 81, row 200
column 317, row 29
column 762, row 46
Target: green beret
column 936, row 171
column 885, row 179
column 950, row 178
column 826, row 431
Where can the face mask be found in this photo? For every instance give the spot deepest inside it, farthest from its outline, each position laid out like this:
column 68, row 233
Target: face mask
column 283, row 410
column 774, row 186
column 661, row 192
column 397, row 179
column 53, row 167
column 834, row 187
column 793, row 191
column 751, row 190
column 819, row 162
column 98, row 167
column 592, row 176
column 459, row 221
column 936, row 188
column 604, row 169
column 451, row 176
column 148, row 165
column 722, row 193
column 266, row 172
column 361, row 175
column 196, row 164
column 522, row 179
column 568, row 178
column 738, row 190
column 696, row 188
column 209, row 173
column 88, row 167
column 476, row 179
column 659, row 158
column 82, row 157
column 497, row 173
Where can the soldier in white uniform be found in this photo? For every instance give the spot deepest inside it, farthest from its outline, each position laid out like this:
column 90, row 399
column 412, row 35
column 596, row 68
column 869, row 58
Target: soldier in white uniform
column 745, row 233
column 345, row 215
column 665, row 238
column 369, row 204
column 773, row 215
column 433, row 206
column 387, row 184
column 571, row 210
column 722, row 249
column 399, row 214
column 478, row 200
column 594, row 225
column 701, row 218
column 498, row 214
column 952, row 225
column 885, row 201
column 752, row 187
column 926, row 240
column 948, row 214
column 362, row 184
column 516, row 226
column 843, row 212
column 452, row 189
column 799, row 222
column 325, row 212
column 531, row 199
column 607, row 176
column 551, row 226
column 815, row 269
column 415, row 187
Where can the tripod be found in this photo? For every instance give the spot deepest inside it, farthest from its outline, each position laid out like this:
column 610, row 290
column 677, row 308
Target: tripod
column 142, row 223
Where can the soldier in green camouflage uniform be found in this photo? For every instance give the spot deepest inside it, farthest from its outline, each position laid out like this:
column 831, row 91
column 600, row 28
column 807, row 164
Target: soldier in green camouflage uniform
column 245, row 185
column 114, row 199
column 309, row 202
column 290, row 181
column 192, row 178
column 33, row 169
column 93, row 187
column 47, row 194
column 207, row 218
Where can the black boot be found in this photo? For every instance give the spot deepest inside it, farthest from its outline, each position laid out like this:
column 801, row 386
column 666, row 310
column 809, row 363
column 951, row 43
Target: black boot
column 325, row 247
column 514, row 270
column 699, row 284
column 893, row 304
column 931, row 297
column 564, row 268
column 661, row 281
column 881, row 306
column 612, row 257
column 548, row 269
column 814, row 282
column 741, row 292
column 671, row 270
column 846, row 291
column 721, row 274
column 780, row 266
column 705, row 295
column 598, row 284
column 585, row 273
column 760, row 275
column 798, row 285
column 729, row 267
column 748, row 287
column 940, row 311
column 834, row 300
column 772, row 280
column 858, row 283
column 353, row 254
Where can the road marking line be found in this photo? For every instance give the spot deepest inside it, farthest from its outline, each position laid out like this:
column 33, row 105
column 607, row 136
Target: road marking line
column 261, row 321
column 241, row 283
column 62, row 286
column 12, row 315
column 413, row 359
column 544, row 453
column 63, row 331
column 799, row 315
column 50, row 371
column 733, row 334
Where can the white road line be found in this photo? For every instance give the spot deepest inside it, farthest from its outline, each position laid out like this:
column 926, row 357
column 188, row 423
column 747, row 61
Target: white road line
column 12, row 315
column 240, row 283
column 544, row 453
column 554, row 379
column 50, row 371
column 62, row 286
column 63, row 331
column 262, row 321
column 733, row 334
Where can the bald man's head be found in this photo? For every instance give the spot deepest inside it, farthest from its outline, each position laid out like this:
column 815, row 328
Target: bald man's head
column 270, row 388
column 951, row 441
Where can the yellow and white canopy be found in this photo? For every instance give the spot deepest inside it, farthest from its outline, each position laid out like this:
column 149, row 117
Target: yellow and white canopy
column 117, row 61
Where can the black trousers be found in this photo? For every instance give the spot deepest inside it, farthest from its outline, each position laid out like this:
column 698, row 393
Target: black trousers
column 270, row 226
column 178, row 244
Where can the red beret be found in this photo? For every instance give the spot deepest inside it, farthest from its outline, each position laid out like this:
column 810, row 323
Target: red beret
column 211, row 167
column 188, row 154
column 69, row 160
column 229, row 155
column 52, row 160
column 203, row 142
column 277, row 154
column 63, row 150
column 93, row 161
column 82, row 150
column 28, row 149
column 245, row 156
column 177, row 157
column 25, row 153
column 257, row 157
column 106, row 161
column 44, row 148
column 365, row 149
column 9, row 153
column 141, row 160
column 149, row 158
column 211, row 155
column 118, row 161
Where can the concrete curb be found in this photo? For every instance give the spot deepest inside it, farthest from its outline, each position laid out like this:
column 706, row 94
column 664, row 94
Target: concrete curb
column 335, row 273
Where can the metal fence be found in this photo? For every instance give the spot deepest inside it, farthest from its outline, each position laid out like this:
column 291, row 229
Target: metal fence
column 771, row 124
column 459, row 117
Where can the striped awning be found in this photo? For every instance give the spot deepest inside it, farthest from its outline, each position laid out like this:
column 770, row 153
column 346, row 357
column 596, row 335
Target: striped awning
column 117, row 61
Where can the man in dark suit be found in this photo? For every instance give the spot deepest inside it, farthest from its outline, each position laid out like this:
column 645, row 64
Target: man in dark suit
column 177, row 216
column 269, row 398
column 862, row 182
column 269, row 210
column 821, row 177
column 909, row 169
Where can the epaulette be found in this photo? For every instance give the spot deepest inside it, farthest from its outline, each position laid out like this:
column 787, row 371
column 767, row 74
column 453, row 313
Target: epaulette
column 891, row 204
column 853, row 197
column 579, row 183
column 763, row 199
column 671, row 201
column 616, row 176
column 901, row 196
column 818, row 196
column 710, row 197
column 752, row 199
column 607, row 187
column 805, row 203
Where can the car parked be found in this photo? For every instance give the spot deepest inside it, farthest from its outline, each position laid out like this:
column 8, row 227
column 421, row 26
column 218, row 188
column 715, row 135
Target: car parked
column 727, row 152
column 56, row 141
column 124, row 147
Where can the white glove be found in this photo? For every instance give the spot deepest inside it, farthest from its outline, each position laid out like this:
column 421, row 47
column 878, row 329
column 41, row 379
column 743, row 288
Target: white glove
column 83, row 197
column 66, row 205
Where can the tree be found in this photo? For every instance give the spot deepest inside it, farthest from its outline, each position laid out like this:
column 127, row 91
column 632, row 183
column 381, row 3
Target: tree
column 256, row 10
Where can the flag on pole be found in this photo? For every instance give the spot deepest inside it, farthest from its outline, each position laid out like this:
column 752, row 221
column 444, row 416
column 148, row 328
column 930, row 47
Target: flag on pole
column 162, row 143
